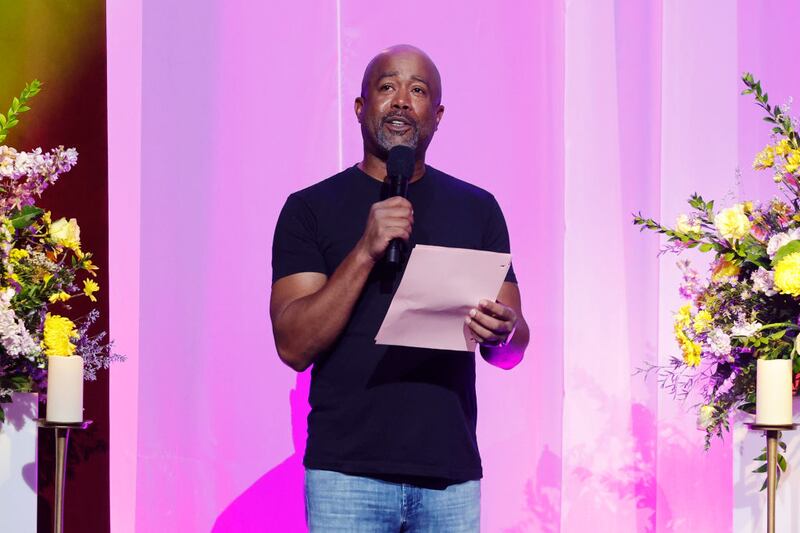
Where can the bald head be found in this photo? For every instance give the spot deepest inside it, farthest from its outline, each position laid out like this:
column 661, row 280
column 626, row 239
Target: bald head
column 400, row 102
column 379, row 64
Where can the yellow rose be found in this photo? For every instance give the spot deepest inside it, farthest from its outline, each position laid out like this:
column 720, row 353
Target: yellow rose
column 58, row 334
column 66, row 232
column 787, row 275
column 765, row 159
column 732, row 223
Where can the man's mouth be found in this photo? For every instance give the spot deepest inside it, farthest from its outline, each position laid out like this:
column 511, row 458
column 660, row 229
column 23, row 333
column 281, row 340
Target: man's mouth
column 398, row 125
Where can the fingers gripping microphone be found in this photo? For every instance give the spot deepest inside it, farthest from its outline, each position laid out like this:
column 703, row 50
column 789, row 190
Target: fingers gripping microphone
column 399, row 168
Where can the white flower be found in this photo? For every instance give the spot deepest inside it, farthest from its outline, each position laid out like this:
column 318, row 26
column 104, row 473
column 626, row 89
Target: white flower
column 776, row 242
column 71, row 155
column 24, row 163
column 719, row 342
column 686, row 225
column 14, row 337
column 705, row 416
column 763, row 281
column 745, row 329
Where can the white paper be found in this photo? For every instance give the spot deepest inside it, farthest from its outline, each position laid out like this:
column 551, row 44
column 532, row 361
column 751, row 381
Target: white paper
column 439, row 287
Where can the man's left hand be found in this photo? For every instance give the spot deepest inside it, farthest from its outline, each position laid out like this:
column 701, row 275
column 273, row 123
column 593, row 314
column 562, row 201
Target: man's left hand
column 491, row 323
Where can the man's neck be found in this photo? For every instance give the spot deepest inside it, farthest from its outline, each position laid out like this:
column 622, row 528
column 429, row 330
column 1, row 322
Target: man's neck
column 375, row 167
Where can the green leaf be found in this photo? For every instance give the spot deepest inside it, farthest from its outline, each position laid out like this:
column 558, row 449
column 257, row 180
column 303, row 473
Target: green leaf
column 25, row 216
column 761, row 469
column 706, row 247
column 782, row 462
column 762, row 457
column 788, row 248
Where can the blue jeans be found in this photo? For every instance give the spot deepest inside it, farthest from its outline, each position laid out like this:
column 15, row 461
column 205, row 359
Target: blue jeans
column 341, row 503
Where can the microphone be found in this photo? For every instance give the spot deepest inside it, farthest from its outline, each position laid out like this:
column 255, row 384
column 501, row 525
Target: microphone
column 399, row 168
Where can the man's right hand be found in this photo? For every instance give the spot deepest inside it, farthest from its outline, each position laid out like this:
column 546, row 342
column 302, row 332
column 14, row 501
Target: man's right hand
column 390, row 219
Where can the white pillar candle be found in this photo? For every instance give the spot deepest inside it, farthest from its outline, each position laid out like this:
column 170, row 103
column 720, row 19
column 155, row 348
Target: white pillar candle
column 65, row 389
column 774, row 392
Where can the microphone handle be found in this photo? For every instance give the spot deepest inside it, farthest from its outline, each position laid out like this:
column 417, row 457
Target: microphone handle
column 394, row 252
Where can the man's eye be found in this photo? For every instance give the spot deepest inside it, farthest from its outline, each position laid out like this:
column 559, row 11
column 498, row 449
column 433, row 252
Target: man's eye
column 418, row 90
column 385, row 87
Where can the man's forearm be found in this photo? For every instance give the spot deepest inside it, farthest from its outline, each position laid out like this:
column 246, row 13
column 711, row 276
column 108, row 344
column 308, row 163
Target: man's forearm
column 311, row 324
column 511, row 354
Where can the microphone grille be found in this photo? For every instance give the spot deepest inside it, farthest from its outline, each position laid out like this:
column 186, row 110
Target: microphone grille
column 400, row 162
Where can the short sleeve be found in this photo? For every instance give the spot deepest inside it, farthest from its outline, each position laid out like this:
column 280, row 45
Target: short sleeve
column 295, row 246
column 496, row 235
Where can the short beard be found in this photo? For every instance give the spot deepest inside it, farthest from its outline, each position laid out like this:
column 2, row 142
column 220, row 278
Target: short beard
column 389, row 141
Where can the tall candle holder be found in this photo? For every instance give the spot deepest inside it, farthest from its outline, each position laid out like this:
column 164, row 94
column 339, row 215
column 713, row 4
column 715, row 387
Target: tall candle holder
column 62, row 442
column 771, row 432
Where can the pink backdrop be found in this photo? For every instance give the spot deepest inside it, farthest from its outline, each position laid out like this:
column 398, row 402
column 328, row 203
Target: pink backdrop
column 575, row 113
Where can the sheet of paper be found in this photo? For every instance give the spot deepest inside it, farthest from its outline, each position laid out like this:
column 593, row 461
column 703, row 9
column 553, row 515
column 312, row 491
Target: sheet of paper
column 439, row 287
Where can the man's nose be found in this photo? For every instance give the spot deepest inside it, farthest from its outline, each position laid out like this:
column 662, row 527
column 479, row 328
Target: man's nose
column 400, row 100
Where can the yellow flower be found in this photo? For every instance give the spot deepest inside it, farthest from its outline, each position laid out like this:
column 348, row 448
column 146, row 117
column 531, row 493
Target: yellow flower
column 17, row 254
column 691, row 350
column 732, row 223
column 89, row 288
column 90, row 267
column 59, row 297
column 783, row 147
column 792, row 161
column 723, row 270
column 765, row 159
column 787, row 275
column 47, row 218
column 58, row 334
column 47, row 277
column 683, row 318
column 702, row 320
column 66, row 233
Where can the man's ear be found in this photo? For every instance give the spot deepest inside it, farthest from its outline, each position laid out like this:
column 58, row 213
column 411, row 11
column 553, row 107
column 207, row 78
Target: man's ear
column 359, row 107
column 439, row 113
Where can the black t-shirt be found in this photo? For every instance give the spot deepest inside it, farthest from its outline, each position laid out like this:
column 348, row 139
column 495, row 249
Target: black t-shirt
column 387, row 410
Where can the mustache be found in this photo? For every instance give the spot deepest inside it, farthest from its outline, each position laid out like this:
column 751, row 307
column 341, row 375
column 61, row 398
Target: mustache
column 401, row 116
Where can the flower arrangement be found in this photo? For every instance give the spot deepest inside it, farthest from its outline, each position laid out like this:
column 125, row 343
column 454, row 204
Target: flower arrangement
column 748, row 306
column 42, row 269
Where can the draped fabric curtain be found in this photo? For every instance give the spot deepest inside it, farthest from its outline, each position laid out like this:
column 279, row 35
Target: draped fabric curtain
column 574, row 113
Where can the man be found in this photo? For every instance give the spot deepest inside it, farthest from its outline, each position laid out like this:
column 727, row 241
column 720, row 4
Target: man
column 391, row 433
